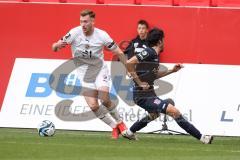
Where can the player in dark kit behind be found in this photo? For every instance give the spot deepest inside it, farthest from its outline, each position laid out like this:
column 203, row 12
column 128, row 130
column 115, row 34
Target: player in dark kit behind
column 139, row 43
column 144, row 69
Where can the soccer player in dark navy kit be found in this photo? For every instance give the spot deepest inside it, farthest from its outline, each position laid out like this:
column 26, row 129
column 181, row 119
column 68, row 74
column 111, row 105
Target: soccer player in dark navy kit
column 139, row 43
column 144, row 69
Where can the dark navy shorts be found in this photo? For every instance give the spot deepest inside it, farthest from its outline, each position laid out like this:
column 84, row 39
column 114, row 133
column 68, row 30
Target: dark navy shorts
column 152, row 104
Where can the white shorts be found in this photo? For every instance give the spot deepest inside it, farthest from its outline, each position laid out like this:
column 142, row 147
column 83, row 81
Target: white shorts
column 97, row 79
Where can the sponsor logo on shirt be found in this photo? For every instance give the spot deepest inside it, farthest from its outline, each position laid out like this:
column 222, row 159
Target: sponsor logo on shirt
column 135, row 45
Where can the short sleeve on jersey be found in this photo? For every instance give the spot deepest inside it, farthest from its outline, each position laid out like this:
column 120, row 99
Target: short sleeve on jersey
column 142, row 56
column 69, row 37
column 108, row 42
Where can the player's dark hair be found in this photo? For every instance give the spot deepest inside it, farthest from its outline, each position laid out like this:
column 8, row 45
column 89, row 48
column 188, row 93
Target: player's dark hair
column 87, row 12
column 154, row 36
column 143, row 22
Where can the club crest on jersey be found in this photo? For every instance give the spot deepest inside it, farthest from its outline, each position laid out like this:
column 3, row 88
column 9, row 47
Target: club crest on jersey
column 157, row 101
column 87, row 46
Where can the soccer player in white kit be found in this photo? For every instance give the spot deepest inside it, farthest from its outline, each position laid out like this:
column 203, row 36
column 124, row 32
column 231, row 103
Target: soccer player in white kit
column 87, row 43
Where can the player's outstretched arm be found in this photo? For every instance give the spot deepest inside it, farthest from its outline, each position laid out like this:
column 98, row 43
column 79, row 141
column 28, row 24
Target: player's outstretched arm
column 176, row 68
column 120, row 55
column 58, row 45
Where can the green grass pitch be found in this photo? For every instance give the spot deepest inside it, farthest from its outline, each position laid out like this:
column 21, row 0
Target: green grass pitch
column 25, row 144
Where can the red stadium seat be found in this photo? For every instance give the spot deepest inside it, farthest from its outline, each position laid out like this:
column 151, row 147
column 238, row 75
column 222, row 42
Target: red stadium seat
column 120, row 1
column 157, row 2
column 213, row 3
column 64, row 1
column 194, row 2
column 9, row 0
column 43, row 0
column 228, row 3
column 85, row 1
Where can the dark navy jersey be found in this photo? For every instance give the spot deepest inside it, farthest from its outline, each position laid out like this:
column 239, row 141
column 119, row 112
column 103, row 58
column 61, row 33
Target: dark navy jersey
column 147, row 70
column 136, row 46
column 148, row 66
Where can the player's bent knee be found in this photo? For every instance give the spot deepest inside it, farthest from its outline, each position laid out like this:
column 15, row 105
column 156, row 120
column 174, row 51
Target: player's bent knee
column 106, row 102
column 94, row 107
column 105, row 99
column 173, row 111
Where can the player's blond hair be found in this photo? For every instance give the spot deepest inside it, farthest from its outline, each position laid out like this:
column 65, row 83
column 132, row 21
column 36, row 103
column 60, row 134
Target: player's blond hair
column 86, row 12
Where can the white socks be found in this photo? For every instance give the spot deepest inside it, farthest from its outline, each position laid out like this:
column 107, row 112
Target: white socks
column 129, row 132
column 103, row 115
column 114, row 113
column 206, row 139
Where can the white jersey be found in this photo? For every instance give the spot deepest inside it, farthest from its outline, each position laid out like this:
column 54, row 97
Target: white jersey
column 89, row 51
column 88, row 46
